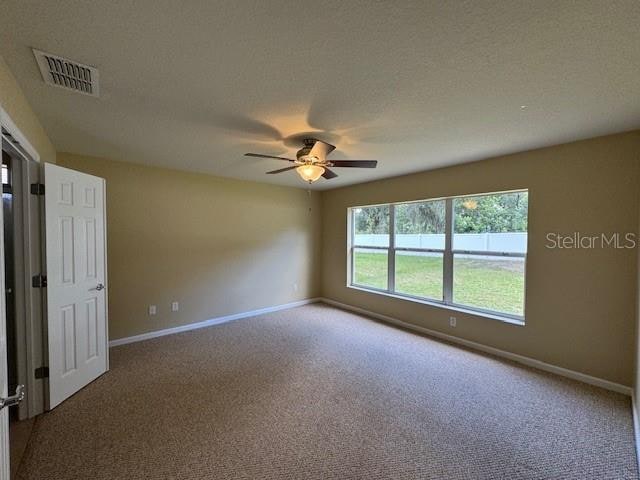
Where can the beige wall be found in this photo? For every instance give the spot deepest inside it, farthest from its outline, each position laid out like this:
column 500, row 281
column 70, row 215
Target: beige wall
column 636, row 379
column 217, row 246
column 580, row 304
column 14, row 103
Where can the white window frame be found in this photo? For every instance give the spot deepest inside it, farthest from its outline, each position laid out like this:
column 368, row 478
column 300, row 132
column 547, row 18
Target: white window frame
column 448, row 254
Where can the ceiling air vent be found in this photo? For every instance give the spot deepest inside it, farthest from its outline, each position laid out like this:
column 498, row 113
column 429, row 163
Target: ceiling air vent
column 60, row 72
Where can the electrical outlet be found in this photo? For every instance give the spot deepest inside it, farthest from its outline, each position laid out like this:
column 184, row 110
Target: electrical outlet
column 295, row 287
column 153, row 309
column 452, row 321
column 175, row 306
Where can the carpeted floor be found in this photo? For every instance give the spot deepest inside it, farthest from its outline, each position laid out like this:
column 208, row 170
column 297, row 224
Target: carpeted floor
column 319, row 393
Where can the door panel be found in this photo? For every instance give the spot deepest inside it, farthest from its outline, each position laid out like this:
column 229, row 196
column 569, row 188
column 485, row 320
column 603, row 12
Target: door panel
column 76, row 259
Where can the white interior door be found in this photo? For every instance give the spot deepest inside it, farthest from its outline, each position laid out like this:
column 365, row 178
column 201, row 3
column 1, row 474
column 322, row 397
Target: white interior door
column 76, row 280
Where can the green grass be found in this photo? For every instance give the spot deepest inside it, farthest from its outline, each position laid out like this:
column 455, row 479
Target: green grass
column 491, row 284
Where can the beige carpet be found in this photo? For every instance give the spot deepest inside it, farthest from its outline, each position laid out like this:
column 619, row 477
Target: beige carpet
column 318, row 393
column 19, row 434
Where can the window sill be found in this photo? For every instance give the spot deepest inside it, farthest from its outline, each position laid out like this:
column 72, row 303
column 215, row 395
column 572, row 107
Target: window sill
column 453, row 308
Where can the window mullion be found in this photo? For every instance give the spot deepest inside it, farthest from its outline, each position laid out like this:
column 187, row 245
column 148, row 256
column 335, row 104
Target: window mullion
column 391, row 253
column 448, row 252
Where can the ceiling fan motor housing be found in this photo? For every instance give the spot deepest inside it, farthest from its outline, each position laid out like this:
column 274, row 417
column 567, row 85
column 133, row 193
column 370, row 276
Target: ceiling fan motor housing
column 304, row 151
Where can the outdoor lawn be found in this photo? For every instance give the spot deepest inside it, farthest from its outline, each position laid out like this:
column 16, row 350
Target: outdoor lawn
column 490, row 284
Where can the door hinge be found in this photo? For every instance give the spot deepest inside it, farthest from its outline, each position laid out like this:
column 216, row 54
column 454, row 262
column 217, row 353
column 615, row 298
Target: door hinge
column 37, row 189
column 42, row 372
column 39, row 281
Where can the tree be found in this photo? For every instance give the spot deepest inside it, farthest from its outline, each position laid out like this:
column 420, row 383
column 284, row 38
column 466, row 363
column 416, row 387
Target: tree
column 498, row 213
column 372, row 220
column 423, row 217
column 505, row 212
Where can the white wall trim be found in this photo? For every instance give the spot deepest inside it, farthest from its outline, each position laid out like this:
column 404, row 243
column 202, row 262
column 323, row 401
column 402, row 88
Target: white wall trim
column 636, row 426
column 6, row 122
column 531, row 362
column 210, row 322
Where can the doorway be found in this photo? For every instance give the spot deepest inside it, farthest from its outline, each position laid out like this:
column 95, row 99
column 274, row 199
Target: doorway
column 23, row 304
column 58, row 341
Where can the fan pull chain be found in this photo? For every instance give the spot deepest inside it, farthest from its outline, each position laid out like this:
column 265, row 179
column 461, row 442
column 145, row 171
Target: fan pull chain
column 309, row 196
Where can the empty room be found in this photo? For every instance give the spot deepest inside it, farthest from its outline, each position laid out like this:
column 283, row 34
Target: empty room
column 320, row 240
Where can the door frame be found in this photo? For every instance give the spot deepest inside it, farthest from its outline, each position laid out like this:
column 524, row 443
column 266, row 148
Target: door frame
column 31, row 335
column 27, row 262
column 12, row 128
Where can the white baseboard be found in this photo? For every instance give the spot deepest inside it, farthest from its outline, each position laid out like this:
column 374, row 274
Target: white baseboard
column 210, row 322
column 531, row 362
column 636, row 427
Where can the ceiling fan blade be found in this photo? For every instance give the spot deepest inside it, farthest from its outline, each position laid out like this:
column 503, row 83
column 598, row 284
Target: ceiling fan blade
column 259, row 155
column 328, row 174
column 321, row 149
column 280, row 170
column 354, row 163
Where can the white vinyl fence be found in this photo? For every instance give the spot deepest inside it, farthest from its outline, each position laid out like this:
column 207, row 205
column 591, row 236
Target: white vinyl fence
column 513, row 242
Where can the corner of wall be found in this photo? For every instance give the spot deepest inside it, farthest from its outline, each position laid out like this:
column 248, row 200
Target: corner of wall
column 320, row 274
column 15, row 104
column 636, row 377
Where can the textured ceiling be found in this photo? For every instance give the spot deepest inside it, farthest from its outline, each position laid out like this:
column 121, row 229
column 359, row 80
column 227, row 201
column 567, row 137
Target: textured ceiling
column 194, row 84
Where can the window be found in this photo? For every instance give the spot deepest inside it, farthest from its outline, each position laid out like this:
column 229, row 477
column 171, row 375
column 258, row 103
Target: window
column 419, row 248
column 466, row 252
column 371, row 257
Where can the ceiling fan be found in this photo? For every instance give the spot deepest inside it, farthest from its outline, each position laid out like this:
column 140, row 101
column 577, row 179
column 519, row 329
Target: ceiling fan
column 311, row 161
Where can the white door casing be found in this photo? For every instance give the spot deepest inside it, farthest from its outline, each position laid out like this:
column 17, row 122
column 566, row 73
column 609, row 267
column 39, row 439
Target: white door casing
column 6, row 122
column 76, row 280
column 4, row 413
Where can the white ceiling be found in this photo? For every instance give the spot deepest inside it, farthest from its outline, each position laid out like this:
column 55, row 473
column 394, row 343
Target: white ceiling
column 192, row 85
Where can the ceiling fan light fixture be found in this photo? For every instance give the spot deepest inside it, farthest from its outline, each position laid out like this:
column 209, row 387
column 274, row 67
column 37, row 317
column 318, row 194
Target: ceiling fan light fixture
column 310, row 173
column 311, row 161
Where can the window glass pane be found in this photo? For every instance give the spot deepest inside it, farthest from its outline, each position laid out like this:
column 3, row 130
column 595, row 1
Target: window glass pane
column 370, row 268
column 492, row 283
column 371, row 226
column 420, row 225
column 419, row 274
column 491, row 223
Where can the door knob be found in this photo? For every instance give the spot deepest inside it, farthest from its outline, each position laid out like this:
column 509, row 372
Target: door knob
column 100, row 287
column 13, row 399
